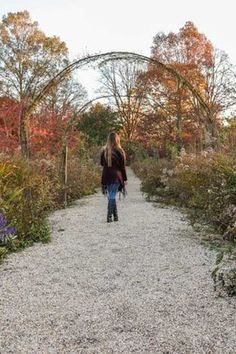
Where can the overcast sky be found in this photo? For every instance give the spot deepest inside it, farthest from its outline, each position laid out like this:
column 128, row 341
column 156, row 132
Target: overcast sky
column 91, row 26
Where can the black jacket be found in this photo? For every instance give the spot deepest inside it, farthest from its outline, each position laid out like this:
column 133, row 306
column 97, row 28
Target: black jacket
column 117, row 172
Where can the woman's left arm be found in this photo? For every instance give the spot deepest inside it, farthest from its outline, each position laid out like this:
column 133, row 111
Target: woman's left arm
column 102, row 158
column 123, row 169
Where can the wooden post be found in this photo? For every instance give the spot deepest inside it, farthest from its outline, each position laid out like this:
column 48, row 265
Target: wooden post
column 63, row 172
column 66, row 176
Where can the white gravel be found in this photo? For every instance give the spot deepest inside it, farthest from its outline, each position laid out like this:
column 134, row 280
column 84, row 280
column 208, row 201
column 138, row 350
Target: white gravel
column 141, row 285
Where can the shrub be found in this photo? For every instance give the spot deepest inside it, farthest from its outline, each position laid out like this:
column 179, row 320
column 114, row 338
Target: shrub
column 134, row 151
column 3, row 252
column 25, row 195
column 83, row 178
column 154, row 175
column 49, row 168
column 224, row 274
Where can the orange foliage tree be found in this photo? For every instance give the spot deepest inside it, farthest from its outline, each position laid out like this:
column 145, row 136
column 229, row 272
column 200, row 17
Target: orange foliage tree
column 28, row 59
column 177, row 112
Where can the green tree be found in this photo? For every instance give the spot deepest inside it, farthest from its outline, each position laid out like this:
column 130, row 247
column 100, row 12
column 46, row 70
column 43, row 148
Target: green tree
column 98, row 122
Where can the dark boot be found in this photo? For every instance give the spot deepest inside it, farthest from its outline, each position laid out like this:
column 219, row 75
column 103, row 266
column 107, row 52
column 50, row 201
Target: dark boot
column 115, row 213
column 109, row 211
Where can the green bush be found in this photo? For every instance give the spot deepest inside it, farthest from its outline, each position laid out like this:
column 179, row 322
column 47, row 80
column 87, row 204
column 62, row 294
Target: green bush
column 224, row 274
column 83, row 178
column 134, row 150
column 212, row 180
column 25, row 195
column 154, row 175
column 3, row 252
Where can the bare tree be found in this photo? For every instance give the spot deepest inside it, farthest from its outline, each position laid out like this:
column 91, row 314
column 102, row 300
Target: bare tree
column 220, row 86
column 219, row 92
column 121, row 81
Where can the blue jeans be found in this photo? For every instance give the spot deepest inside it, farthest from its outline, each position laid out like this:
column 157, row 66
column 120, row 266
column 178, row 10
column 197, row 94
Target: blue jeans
column 112, row 190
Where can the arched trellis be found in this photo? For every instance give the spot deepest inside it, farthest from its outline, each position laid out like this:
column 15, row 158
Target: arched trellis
column 98, row 59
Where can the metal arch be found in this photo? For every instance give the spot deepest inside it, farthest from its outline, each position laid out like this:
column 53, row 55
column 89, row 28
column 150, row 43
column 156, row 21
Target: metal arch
column 111, row 56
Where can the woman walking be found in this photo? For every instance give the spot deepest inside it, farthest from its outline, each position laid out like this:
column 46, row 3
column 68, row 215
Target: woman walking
column 114, row 174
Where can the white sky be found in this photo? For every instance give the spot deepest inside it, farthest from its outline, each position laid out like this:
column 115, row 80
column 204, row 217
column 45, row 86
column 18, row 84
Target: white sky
column 92, row 26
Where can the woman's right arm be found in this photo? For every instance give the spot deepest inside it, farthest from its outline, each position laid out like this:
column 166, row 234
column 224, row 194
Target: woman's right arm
column 123, row 169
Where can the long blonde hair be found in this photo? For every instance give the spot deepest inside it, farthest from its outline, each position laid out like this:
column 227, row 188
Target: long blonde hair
column 113, row 142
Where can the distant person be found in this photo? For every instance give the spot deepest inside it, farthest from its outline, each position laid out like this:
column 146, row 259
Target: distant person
column 114, row 176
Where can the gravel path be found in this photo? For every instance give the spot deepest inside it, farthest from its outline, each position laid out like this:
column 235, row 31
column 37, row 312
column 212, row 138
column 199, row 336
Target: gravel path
column 141, row 285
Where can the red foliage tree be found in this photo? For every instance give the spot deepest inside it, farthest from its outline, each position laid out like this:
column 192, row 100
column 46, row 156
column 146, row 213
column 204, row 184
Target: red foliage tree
column 9, row 123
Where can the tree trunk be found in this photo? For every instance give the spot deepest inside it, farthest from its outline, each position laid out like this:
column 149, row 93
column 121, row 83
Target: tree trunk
column 179, row 119
column 179, row 131
column 23, row 135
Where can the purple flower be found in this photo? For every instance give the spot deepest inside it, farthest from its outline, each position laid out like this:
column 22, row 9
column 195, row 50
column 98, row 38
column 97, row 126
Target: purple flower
column 5, row 229
column 10, row 230
column 3, row 221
